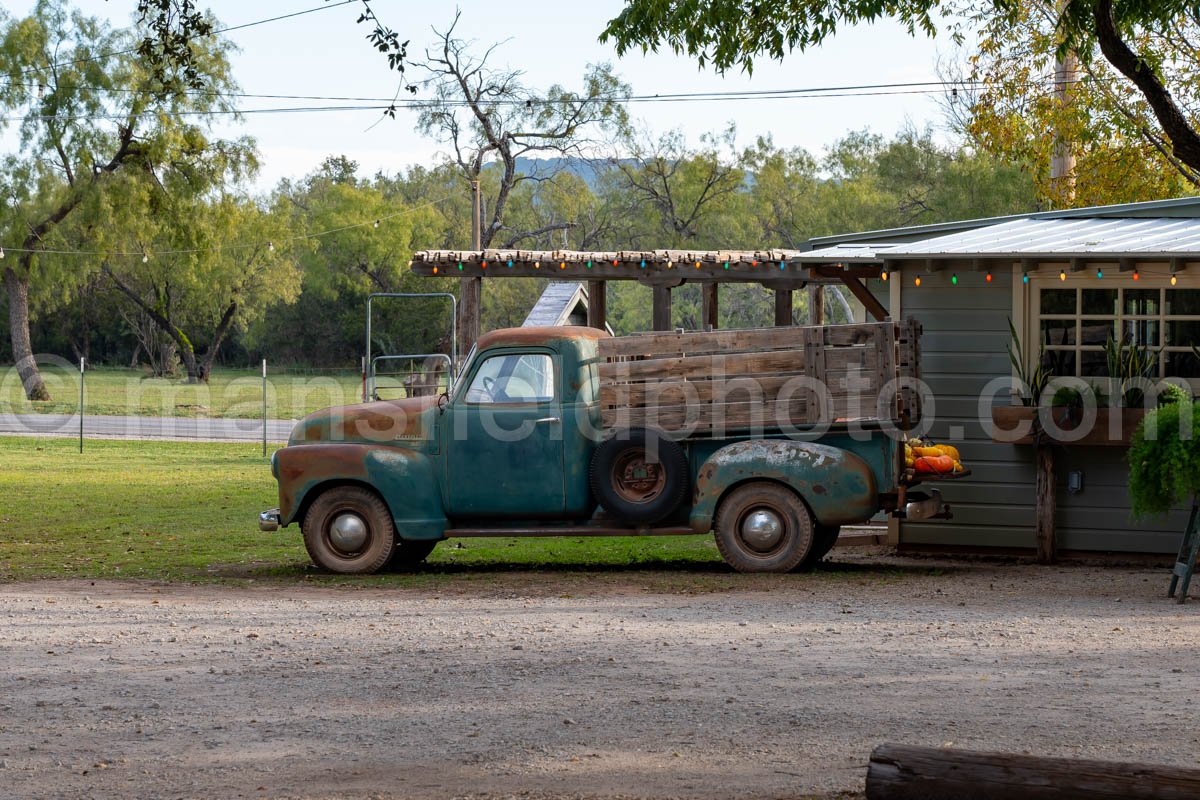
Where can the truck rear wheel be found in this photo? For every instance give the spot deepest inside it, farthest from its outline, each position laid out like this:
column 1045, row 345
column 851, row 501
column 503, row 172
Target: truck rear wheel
column 349, row 530
column 639, row 476
column 763, row 526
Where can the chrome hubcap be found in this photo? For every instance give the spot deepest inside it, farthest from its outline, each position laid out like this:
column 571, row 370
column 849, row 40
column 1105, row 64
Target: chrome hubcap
column 762, row 530
column 348, row 533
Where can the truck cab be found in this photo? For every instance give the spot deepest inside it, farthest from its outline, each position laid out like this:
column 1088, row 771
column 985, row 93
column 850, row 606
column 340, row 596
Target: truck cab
column 519, row 447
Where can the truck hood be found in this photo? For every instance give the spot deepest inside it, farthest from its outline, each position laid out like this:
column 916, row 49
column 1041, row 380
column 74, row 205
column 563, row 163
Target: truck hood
column 381, row 421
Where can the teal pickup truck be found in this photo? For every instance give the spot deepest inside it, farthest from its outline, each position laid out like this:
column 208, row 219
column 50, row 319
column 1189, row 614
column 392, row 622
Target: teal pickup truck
column 770, row 439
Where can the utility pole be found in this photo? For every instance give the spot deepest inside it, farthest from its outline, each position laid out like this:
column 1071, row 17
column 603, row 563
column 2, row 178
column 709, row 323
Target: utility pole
column 471, row 289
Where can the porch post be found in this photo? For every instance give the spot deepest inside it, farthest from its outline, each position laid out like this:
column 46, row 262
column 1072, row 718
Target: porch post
column 597, row 304
column 661, row 313
column 711, row 309
column 783, row 307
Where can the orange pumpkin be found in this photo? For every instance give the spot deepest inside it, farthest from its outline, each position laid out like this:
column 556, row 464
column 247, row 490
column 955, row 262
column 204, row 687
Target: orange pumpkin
column 934, row 464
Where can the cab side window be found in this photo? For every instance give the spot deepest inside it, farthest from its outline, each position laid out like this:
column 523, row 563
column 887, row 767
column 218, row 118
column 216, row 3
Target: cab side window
column 513, row 378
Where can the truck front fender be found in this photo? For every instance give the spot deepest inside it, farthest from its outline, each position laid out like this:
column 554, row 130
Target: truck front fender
column 403, row 477
column 838, row 486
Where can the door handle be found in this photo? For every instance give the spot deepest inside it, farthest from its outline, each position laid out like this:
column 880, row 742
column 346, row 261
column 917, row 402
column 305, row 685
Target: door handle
column 546, row 420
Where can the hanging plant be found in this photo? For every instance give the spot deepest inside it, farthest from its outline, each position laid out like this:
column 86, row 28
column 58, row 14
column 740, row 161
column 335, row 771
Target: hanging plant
column 1165, row 471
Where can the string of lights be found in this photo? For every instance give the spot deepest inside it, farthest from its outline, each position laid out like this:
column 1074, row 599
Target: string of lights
column 145, row 255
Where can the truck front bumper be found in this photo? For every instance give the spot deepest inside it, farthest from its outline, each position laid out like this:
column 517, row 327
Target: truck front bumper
column 268, row 521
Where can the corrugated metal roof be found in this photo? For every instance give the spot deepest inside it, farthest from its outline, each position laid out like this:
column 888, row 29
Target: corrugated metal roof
column 1063, row 238
column 1112, row 238
column 555, row 305
column 1180, row 207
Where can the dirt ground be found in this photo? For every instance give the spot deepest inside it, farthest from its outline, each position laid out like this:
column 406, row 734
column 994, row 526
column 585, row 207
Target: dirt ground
column 560, row 686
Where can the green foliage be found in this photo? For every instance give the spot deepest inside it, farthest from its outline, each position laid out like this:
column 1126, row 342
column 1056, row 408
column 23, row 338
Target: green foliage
column 1034, row 377
column 1165, row 470
column 1173, row 393
column 1129, row 366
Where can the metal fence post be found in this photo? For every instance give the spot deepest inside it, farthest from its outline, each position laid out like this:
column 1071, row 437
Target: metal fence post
column 81, row 364
column 264, row 408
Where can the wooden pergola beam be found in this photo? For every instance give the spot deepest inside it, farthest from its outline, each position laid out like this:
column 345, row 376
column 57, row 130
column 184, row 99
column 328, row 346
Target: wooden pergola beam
column 760, row 266
column 869, row 301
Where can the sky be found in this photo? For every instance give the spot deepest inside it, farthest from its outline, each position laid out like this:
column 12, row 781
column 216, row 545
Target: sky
column 326, row 53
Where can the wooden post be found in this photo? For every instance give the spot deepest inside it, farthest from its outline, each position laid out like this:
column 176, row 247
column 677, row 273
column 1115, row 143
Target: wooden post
column 662, row 307
column 816, row 304
column 783, row 307
column 903, row 772
column 470, row 297
column 1046, row 504
column 597, row 304
column 711, row 307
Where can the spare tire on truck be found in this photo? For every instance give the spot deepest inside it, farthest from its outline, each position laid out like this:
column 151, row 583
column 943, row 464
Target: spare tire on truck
column 639, row 476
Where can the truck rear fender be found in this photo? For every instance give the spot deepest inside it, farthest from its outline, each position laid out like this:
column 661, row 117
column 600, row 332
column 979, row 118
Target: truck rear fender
column 404, row 478
column 838, row 486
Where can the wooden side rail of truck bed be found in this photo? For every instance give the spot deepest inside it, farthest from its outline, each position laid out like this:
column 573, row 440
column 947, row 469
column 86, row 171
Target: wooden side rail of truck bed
column 709, row 382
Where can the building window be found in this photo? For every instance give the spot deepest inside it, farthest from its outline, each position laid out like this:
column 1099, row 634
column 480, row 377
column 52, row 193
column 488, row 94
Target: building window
column 1073, row 323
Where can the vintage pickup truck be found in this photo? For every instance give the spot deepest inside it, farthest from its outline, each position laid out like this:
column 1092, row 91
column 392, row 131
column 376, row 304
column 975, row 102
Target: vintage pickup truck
column 771, row 439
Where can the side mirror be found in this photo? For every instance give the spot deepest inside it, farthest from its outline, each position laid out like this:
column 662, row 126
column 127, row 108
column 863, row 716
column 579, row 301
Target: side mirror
column 443, row 401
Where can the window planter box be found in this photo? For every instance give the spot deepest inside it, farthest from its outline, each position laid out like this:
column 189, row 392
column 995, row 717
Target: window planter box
column 1113, row 427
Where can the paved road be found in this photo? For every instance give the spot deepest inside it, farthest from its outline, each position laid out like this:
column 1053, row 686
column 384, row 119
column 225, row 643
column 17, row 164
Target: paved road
column 144, row 427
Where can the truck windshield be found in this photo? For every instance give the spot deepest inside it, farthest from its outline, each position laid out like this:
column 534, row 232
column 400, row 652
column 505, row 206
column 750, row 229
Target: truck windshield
column 513, row 378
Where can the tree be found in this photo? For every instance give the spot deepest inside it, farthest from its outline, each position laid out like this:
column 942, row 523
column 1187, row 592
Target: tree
column 209, row 267
column 726, row 33
column 89, row 114
column 1120, row 153
column 487, row 115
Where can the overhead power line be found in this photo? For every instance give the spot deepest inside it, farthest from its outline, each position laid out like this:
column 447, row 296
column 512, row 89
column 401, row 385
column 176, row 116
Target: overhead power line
column 383, row 104
column 229, row 29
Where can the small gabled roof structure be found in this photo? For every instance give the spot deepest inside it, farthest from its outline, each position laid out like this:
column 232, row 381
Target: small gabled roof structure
column 561, row 303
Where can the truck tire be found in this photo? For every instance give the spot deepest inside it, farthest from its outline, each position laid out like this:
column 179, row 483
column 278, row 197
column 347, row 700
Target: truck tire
column 824, row 538
column 349, row 530
column 763, row 526
column 631, row 486
column 410, row 553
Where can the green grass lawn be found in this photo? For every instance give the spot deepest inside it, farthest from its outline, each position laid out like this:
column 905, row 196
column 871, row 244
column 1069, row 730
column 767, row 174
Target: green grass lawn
column 229, row 393
column 188, row 511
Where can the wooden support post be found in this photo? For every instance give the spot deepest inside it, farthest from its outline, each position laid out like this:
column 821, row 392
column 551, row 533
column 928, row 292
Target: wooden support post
column 711, row 309
column 869, row 301
column 1046, row 504
column 597, row 304
column 469, row 299
column 783, row 307
column 662, row 307
column 903, row 772
column 816, row 304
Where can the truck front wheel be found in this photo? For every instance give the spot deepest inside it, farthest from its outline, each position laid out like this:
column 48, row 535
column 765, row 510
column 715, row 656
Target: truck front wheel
column 764, row 527
column 349, row 530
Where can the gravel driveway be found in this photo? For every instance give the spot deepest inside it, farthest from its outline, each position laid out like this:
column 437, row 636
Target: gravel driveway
column 565, row 686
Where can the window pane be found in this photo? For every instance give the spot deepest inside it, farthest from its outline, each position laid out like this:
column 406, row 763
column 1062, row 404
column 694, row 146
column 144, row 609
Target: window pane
column 1099, row 301
column 1141, row 301
column 1097, row 332
column 1058, row 301
column 1182, row 365
column 1058, row 331
column 1183, row 334
column 1183, row 301
column 513, row 378
column 1059, row 362
column 1142, row 331
column 1093, row 363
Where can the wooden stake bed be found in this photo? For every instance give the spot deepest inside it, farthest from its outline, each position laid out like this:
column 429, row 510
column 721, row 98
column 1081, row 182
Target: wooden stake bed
column 719, row 382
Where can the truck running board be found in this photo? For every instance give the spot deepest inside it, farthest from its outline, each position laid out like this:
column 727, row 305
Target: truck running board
column 568, row 530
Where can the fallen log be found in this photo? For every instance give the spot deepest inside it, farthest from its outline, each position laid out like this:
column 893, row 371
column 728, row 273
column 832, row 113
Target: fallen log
column 904, row 772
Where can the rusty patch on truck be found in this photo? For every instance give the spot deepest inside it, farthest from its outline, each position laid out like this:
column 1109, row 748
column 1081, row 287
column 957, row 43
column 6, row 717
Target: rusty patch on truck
column 301, row 466
column 537, row 336
column 381, row 421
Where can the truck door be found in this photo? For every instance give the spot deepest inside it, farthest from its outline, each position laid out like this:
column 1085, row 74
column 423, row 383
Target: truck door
column 503, row 438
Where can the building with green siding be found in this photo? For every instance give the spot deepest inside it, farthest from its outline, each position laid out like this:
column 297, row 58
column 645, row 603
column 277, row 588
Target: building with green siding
column 1065, row 279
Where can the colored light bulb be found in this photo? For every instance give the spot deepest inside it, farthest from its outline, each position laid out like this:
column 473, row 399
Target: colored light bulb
column 883, row 275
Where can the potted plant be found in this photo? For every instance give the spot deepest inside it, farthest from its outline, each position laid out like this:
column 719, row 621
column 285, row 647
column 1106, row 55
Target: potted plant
column 1014, row 424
